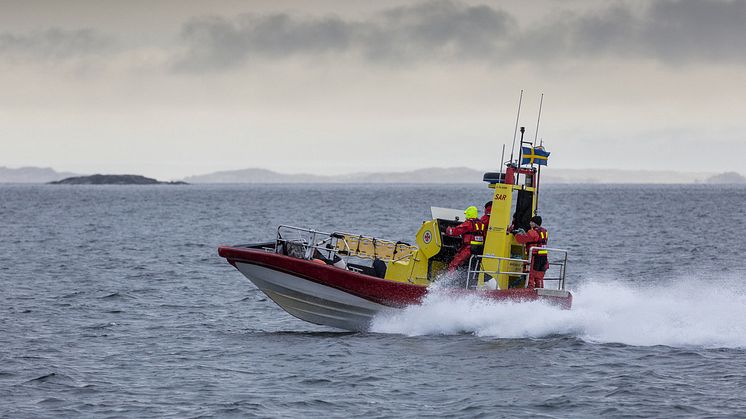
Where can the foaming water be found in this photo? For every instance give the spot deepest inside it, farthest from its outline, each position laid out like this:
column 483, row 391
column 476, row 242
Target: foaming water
column 683, row 314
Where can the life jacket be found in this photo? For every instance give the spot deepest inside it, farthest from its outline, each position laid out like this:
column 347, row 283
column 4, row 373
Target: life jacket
column 478, row 234
column 540, row 260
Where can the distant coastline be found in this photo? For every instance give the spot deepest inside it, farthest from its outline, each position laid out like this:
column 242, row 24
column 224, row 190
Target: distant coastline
column 458, row 175
column 427, row 175
column 112, row 180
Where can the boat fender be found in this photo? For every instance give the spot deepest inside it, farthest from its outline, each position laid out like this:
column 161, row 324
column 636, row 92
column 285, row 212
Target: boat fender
column 318, row 261
column 491, row 284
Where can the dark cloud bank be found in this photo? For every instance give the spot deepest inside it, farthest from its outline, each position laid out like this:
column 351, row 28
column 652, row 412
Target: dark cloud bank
column 673, row 32
column 669, row 31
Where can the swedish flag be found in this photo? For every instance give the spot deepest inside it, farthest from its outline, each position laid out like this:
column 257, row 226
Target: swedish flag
column 534, row 155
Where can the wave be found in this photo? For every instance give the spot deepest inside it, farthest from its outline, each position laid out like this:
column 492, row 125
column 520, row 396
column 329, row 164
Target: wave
column 684, row 313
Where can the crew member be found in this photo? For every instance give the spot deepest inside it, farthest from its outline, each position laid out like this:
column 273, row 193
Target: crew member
column 472, row 232
column 535, row 237
column 487, row 211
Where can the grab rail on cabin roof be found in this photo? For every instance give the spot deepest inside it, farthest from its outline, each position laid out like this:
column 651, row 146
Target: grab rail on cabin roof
column 336, row 244
column 308, row 239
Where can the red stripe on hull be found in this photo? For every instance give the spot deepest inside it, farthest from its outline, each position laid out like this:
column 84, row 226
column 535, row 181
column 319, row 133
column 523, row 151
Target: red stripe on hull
column 388, row 293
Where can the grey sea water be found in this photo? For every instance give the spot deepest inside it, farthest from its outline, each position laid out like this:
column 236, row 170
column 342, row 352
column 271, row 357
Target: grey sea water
column 114, row 302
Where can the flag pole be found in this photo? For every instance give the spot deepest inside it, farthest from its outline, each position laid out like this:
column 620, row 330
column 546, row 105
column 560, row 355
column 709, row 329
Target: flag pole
column 520, row 156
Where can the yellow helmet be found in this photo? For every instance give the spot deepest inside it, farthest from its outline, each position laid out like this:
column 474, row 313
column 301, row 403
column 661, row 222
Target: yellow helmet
column 471, row 212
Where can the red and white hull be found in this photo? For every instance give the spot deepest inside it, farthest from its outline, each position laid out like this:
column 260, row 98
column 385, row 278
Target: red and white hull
column 327, row 295
column 312, row 301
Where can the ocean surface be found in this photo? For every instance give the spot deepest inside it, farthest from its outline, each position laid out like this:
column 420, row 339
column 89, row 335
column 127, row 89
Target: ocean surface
column 114, row 302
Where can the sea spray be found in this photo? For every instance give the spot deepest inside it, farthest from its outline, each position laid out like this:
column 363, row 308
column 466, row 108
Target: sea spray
column 684, row 313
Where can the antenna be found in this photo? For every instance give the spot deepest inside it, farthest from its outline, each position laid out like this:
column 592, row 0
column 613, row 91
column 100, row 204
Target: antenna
column 502, row 160
column 536, row 134
column 515, row 131
column 520, row 156
column 538, row 180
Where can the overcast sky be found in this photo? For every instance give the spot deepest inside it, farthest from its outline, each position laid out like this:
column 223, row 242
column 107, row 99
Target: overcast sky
column 175, row 88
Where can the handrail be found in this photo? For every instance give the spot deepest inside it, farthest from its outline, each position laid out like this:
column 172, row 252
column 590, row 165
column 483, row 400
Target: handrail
column 312, row 242
column 307, row 230
column 336, row 244
column 473, row 272
column 561, row 263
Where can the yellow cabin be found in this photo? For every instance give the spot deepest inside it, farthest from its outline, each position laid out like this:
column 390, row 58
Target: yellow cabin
column 513, row 204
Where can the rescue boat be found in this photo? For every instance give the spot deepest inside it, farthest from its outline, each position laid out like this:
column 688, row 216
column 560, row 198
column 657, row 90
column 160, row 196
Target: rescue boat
column 343, row 280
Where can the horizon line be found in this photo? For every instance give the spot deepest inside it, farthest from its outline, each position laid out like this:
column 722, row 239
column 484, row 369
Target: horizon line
column 392, row 171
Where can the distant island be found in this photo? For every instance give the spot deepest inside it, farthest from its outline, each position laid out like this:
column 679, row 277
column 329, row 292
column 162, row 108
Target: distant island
column 727, row 178
column 113, row 180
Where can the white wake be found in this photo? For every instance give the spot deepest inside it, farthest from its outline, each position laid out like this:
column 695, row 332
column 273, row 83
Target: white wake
column 687, row 313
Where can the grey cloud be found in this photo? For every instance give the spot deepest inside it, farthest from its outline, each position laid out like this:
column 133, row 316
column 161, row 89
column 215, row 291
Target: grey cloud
column 216, row 42
column 437, row 30
column 611, row 32
column 690, row 29
column 673, row 32
column 54, row 44
column 669, row 31
column 431, row 30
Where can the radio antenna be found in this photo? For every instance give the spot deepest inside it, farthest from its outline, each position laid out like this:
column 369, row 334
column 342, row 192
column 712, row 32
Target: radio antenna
column 515, row 132
column 538, row 180
column 502, row 162
column 536, row 134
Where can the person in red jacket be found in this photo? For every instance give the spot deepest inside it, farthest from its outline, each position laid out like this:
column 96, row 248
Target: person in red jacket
column 487, row 211
column 472, row 233
column 535, row 237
